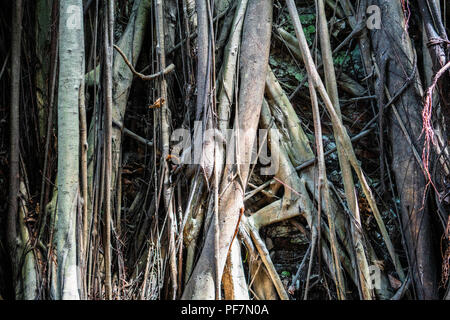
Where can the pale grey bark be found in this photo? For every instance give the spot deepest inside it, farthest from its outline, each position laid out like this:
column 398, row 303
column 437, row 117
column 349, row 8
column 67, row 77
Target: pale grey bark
column 131, row 44
column 71, row 75
column 347, row 176
column 28, row 290
column 253, row 67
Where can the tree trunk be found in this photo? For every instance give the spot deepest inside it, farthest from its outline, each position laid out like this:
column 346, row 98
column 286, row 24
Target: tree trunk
column 253, row 68
column 71, row 75
column 391, row 42
column 14, row 151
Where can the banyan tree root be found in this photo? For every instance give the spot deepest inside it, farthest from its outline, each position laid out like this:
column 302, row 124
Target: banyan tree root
column 299, row 152
column 341, row 134
column 407, row 171
column 347, row 83
column 296, row 200
column 253, row 67
column 349, row 186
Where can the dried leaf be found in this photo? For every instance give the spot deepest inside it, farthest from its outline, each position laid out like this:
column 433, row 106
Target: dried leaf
column 158, row 103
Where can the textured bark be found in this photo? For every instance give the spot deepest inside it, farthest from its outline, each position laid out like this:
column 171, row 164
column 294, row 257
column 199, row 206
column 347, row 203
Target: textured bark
column 14, row 151
column 225, row 96
column 392, row 42
column 341, row 134
column 233, row 278
column 131, row 44
column 439, row 49
column 43, row 31
column 23, row 262
column 71, row 75
column 253, row 68
column 165, row 133
column 93, row 215
column 347, row 176
column 28, row 276
column 203, row 75
column 108, row 41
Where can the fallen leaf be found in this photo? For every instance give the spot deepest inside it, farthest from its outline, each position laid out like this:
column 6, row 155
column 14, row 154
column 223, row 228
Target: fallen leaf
column 157, row 103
